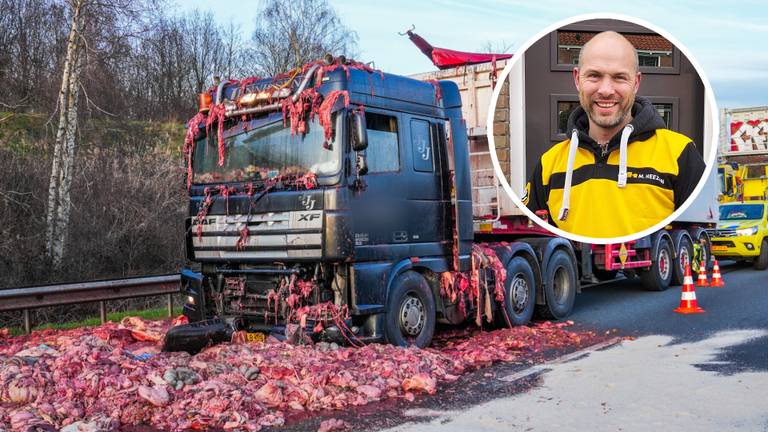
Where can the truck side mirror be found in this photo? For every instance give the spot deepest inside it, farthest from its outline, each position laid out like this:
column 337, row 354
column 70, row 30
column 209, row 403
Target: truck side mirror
column 359, row 131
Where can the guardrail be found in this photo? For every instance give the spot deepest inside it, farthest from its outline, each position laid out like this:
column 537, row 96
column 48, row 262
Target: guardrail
column 27, row 298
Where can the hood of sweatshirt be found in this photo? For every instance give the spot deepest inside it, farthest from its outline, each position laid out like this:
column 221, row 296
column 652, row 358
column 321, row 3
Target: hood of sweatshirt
column 645, row 121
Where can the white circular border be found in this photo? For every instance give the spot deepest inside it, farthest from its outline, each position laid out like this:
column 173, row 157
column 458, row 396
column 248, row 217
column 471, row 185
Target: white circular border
column 708, row 94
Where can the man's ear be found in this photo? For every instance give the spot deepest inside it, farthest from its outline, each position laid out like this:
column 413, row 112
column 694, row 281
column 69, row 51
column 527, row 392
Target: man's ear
column 638, row 77
column 576, row 78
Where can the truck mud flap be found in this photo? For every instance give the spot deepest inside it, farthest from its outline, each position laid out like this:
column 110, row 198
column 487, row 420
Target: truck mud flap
column 193, row 337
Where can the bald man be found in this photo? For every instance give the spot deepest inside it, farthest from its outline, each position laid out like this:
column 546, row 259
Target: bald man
column 621, row 172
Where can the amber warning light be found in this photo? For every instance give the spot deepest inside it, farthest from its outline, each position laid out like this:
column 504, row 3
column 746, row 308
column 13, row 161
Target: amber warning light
column 205, row 102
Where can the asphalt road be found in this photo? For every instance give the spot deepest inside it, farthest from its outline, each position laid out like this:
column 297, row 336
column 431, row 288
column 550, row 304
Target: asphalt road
column 704, row 371
column 741, row 304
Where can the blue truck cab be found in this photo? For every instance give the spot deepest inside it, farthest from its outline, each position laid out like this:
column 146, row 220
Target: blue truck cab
column 363, row 206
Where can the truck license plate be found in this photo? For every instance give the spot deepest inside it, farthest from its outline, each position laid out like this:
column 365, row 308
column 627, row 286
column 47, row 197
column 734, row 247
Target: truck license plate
column 719, row 248
column 255, row 337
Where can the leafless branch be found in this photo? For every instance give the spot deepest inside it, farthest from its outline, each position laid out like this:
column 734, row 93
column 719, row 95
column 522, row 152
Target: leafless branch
column 7, row 196
column 91, row 103
column 17, row 105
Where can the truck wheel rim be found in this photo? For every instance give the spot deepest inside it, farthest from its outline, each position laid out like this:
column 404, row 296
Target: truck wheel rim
column 664, row 264
column 685, row 259
column 560, row 285
column 519, row 290
column 412, row 316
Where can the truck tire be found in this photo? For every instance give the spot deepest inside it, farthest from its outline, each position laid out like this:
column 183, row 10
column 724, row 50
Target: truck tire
column 658, row 277
column 706, row 250
column 559, row 286
column 410, row 317
column 519, row 293
column 761, row 262
column 684, row 255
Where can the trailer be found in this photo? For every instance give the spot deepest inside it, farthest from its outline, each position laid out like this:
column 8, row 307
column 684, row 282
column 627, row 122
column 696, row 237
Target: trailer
column 658, row 259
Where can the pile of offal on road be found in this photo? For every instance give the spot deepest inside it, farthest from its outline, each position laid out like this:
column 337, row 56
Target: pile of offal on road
column 322, row 279
column 115, row 375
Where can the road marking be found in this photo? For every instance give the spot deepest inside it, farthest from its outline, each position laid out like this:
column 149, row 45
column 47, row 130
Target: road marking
column 537, row 369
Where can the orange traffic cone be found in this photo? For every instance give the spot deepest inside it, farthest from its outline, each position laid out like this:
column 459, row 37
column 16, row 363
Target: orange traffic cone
column 717, row 280
column 688, row 304
column 702, row 280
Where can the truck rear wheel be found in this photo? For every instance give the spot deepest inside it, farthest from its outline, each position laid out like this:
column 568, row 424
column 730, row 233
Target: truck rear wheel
column 559, row 286
column 410, row 317
column 761, row 262
column 658, row 277
column 519, row 293
column 684, row 256
column 706, row 251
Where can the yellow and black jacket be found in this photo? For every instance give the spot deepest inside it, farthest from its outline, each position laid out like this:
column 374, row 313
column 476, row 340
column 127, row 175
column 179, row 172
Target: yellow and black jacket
column 607, row 198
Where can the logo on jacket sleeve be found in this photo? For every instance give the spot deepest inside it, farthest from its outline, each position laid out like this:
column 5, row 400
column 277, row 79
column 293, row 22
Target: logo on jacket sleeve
column 524, row 198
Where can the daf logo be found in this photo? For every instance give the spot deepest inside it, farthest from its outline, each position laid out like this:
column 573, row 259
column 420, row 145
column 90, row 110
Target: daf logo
column 308, row 217
column 206, row 221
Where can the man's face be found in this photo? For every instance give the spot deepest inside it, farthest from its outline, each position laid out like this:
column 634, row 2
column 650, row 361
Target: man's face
column 607, row 82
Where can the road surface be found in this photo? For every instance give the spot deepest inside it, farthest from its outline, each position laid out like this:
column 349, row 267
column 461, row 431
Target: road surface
column 705, row 372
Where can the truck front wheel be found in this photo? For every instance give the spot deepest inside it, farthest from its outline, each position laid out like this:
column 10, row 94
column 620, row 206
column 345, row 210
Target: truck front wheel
column 658, row 277
column 559, row 286
column 761, row 262
column 519, row 293
column 410, row 317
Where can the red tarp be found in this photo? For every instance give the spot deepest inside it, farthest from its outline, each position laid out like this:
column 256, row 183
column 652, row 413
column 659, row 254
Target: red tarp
column 445, row 58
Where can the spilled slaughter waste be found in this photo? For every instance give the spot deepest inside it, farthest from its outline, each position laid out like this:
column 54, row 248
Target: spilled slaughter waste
column 115, row 376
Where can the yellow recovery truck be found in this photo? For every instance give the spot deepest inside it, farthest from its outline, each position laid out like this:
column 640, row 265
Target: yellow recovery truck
column 742, row 233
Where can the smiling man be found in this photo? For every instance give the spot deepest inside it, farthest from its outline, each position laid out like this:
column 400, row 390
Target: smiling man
column 621, row 171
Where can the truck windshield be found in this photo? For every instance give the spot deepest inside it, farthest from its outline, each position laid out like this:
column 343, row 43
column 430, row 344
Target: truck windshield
column 267, row 152
column 741, row 211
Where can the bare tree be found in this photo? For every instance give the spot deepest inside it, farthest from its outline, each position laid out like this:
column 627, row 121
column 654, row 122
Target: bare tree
column 232, row 52
column 31, row 31
column 59, row 203
column 95, row 26
column 496, row 47
column 290, row 33
column 204, row 46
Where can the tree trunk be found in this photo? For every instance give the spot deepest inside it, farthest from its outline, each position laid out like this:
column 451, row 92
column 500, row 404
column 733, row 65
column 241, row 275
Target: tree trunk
column 57, row 217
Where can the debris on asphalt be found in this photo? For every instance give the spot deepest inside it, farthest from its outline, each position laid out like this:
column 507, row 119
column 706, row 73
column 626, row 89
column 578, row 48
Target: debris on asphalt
column 115, row 376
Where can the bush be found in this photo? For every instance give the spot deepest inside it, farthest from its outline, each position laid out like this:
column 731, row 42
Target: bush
column 128, row 204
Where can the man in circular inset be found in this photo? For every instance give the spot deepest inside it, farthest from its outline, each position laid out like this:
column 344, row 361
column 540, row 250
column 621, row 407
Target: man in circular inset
column 621, row 171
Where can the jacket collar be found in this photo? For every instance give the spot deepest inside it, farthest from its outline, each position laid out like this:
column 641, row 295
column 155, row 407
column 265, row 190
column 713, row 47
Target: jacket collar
column 645, row 120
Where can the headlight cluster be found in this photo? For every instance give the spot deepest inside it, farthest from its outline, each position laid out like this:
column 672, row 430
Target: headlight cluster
column 747, row 231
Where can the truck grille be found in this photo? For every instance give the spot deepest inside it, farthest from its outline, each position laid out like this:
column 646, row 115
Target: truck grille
column 279, row 235
column 724, row 233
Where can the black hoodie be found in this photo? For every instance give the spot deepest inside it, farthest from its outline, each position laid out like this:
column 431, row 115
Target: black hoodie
column 663, row 170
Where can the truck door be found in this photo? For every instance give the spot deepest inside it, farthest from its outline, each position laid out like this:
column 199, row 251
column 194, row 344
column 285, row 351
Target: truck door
column 398, row 213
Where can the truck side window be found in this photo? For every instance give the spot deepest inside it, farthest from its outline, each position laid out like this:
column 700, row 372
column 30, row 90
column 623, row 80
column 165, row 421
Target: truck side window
column 383, row 152
column 421, row 143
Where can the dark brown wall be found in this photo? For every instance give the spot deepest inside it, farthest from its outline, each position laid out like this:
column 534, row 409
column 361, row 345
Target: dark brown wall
column 544, row 79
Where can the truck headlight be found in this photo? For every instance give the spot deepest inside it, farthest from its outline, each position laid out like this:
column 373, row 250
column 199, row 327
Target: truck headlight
column 190, row 300
column 747, row 231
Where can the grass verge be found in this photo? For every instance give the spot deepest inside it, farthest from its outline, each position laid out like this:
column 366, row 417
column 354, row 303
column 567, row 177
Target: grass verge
column 151, row 314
